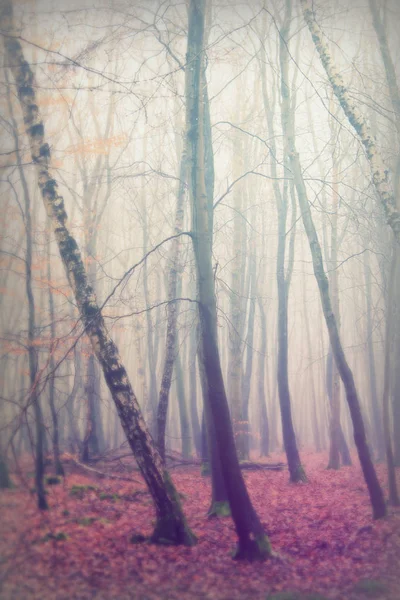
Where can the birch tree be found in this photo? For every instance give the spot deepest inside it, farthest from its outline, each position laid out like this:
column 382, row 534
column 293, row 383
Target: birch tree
column 171, row 526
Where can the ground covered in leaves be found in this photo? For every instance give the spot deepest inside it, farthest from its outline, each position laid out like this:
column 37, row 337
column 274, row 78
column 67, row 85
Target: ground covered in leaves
column 84, row 546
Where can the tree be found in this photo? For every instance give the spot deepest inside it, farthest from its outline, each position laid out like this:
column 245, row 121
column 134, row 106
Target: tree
column 171, row 524
column 252, row 540
column 374, row 488
column 380, row 175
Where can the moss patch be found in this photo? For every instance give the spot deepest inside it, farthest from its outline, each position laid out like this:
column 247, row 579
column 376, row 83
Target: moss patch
column 78, row 491
column 287, row 595
column 370, row 588
column 205, row 469
column 105, row 496
column 58, row 537
column 86, row 521
column 219, row 509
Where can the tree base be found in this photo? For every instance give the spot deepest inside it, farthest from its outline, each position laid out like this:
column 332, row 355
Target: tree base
column 299, row 476
column 171, row 532
column 252, row 550
column 333, row 466
column 171, row 528
column 219, row 509
column 205, row 469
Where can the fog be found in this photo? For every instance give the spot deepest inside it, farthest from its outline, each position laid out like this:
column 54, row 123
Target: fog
column 110, row 86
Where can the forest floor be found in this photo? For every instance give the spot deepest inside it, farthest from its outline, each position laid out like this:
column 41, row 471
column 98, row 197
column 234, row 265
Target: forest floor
column 329, row 547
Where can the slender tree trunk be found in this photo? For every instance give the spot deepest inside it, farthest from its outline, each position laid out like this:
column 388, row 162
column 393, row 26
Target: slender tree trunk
column 54, row 414
column 237, row 310
column 334, row 426
column 74, row 438
column 170, row 524
column 253, row 542
column 194, row 416
column 172, row 310
column 374, row 488
column 183, row 409
column 211, row 461
column 264, row 424
column 314, row 407
column 246, row 377
column 296, row 470
column 392, row 484
column 375, row 411
column 34, row 397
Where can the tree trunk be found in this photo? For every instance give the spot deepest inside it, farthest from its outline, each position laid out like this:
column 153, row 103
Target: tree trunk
column 374, row 488
column 296, row 470
column 375, row 411
column 393, row 492
column 183, row 409
column 194, row 416
column 246, row 377
column 34, row 397
column 54, row 414
column 263, row 416
column 172, row 310
column 314, row 407
column 74, row 438
column 170, row 524
column 253, row 542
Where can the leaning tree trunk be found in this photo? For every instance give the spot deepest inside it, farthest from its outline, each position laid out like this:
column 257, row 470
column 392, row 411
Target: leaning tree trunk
column 374, row 488
column 170, row 523
column 380, row 175
column 253, row 542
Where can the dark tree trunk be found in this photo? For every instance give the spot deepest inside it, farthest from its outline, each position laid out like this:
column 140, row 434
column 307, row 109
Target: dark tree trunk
column 253, row 543
column 374, row 488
